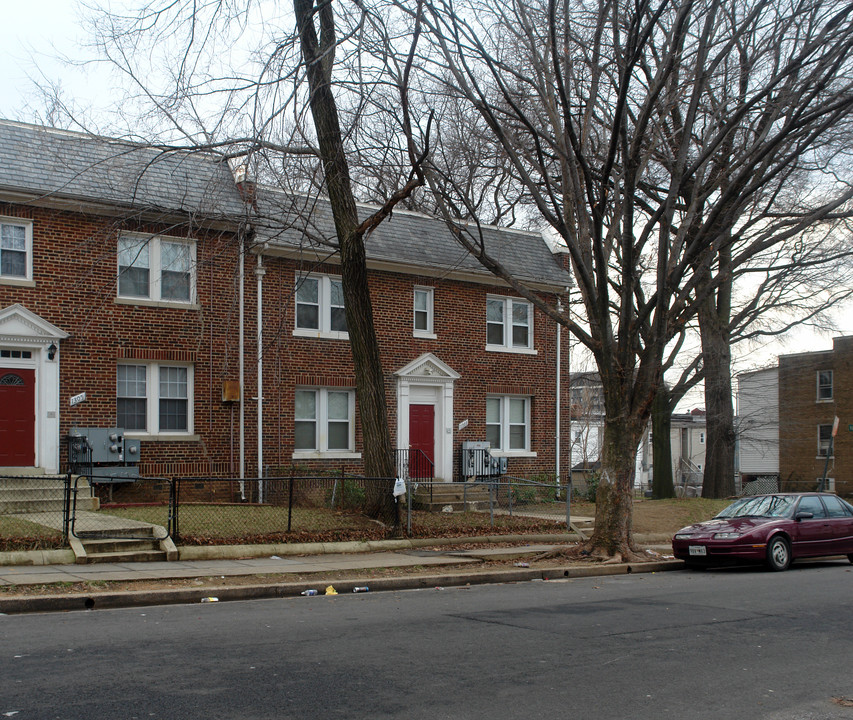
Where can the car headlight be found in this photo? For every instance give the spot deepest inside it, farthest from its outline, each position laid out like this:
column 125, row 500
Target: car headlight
column 726, row 536
column 683, row 536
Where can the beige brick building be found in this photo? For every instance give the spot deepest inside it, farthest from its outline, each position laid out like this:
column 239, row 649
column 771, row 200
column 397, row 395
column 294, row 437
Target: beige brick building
column 814, row 389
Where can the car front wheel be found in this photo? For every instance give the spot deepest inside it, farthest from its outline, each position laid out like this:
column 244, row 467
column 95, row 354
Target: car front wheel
column 778, row 553
column 850, row 558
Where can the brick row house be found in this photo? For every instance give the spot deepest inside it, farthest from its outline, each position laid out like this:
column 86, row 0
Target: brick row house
column 148, row 291
column 791, row 441
column 816, row 387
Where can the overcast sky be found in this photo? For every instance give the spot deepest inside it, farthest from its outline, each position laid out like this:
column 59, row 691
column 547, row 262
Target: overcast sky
column 34, row 32
column 28, row 33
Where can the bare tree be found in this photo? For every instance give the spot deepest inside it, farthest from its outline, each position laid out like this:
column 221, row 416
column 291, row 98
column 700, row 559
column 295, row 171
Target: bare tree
column 288, row 96
column 668, row 144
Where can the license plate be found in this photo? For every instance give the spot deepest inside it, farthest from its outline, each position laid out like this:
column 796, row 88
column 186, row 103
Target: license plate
column 698, row 550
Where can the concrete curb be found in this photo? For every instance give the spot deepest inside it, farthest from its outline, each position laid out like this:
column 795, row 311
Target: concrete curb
column 142, row 598
column 216, row 552
column 38, row 557
column 231, row 552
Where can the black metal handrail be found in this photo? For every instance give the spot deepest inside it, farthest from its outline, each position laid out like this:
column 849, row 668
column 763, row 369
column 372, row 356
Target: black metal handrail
column 414, row 464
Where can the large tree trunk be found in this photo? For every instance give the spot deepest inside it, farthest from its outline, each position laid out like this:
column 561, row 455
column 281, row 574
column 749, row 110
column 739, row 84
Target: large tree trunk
column 318, row 55
column 614, row 500
column 719, row 476
column 662, row 483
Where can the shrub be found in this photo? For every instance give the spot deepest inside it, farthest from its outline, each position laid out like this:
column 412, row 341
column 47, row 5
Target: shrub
column 591, row 487
column 346, row 495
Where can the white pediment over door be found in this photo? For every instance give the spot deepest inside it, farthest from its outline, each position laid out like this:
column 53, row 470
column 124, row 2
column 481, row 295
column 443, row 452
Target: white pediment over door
column 17, row 324
column 428, row 367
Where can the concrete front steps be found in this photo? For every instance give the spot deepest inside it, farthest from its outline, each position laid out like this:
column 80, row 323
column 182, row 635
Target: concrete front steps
column 135, row 542
column 34, row 492
column 459, row 497
column 95, row 537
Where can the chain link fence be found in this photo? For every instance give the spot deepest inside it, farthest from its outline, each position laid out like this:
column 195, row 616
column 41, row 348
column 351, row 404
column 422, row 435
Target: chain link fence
column 277, row 509
column 32, row 512
column 42, row 512
column 499, row 498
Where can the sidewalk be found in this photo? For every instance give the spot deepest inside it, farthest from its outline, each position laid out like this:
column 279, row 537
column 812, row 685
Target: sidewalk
column 322, row 560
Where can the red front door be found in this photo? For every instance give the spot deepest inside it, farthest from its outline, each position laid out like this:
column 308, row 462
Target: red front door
column 17, row 418
column 421, row 437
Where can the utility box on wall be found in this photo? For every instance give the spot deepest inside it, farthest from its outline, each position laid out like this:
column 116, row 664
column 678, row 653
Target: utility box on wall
column 104, row 454
column 476, row 460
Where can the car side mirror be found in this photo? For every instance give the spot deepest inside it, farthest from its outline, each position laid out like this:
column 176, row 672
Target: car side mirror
column 803, row 516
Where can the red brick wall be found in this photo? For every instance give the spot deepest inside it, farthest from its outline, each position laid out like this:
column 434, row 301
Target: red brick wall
column 75, row 268
column 460, row 327
column 800, row 413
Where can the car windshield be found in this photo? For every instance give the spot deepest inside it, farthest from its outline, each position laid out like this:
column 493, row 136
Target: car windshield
column 760, row 506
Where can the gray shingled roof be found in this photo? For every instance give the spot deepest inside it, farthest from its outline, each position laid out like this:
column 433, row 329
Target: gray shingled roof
column 61, row 165
column 75, row 166
column 413, row 239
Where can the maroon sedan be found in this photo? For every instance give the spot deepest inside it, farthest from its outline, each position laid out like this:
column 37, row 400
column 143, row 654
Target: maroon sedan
column 771, row 528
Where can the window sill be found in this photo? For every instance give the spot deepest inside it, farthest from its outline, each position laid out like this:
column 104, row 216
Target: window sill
column 164, row 437
column 513, row 453
column 318, row 335
column 143, row 302
column 424, row 335
column 822, row 458
column 330, row 455
column 511, row 350
column 17, row 282
column 825, row 400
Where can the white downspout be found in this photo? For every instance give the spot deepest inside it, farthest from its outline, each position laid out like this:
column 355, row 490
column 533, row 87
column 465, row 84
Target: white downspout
column 259, row 274
column 557, row 413
column 241, row 322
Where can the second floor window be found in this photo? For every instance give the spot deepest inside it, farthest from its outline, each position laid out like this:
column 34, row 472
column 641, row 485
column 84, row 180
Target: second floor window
column 509, row 324
column 824, row 385
column 155, row 268
column 15, row 249
column 320, row 305
column 423, row 299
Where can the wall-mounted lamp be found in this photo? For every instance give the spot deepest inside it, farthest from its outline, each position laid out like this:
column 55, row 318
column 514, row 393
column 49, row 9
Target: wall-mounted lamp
column 51, row 351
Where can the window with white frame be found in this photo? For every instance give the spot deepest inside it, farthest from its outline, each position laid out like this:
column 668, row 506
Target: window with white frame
column 423, row 316
column 323, row 420
column 508, row 423
column 16, row 249
column 824, row 440
column 154, row 398
column 509, row 324
column 156, row 268
column 824, row 385
column 320, row 306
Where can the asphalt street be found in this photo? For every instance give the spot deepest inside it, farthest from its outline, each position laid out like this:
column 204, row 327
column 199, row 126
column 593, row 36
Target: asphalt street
column 715, row 644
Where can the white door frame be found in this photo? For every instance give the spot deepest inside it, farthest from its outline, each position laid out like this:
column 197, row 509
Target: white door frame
column 21, row 329
column 428, row 381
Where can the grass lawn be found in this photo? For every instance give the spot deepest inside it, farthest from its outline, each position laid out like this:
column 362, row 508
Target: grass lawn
column 664, row 516
column 202, row 524
column 19, row 534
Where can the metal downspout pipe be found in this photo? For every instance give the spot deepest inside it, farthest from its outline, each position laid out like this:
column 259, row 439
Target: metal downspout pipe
column 242, row 328
column 557, row 409
column 259, row 274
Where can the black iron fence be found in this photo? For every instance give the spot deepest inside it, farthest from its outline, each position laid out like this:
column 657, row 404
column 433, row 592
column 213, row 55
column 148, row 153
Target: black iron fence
column 92, row 511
